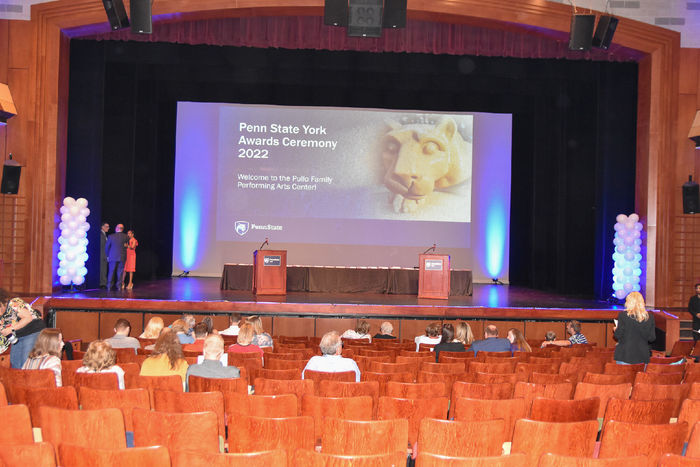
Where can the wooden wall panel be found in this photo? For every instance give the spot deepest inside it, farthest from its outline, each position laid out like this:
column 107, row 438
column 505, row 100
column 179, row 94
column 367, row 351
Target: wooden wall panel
column 595, row 333
column 78, row 325
column 287, row 326
column 221, row 322
column 323, row 325
column 538, row 329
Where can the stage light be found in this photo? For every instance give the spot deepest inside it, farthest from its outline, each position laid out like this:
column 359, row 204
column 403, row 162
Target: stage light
column 496, row 229
column 190, row 226
column 627, row 257
column 72, row 253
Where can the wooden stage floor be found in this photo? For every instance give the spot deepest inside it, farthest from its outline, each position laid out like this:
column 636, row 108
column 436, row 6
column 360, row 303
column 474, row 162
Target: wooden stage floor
column 207, row 289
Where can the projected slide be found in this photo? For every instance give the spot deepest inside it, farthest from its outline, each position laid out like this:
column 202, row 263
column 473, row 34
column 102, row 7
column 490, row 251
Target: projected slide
column 336, row 186
column 278, row 166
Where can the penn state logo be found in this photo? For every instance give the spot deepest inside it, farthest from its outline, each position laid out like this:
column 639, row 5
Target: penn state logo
column 242, row 227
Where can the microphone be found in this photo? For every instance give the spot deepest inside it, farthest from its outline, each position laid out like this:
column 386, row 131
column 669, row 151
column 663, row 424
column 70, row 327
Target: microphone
column 432, row 248
column 264, row 243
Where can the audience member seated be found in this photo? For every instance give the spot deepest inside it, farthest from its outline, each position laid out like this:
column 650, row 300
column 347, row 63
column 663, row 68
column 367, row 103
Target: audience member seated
column 361, row 331
column 463, row 333
column 234, row 320
column 261, row 339
column 211, row 366
column 432, row 336
column 491, row 342
column 101, row 358
column 153, row 328
column 244, row 343
column 179, row 327
column 386, row 331
column 517, row 341
column 209, row 323
column 550, row 336
column 121, row 339
column 189, row 323
column 200, row 333
column 46, row 354
column 448, row 342
column 167, row 357
column 573, row 328
column 331, row 361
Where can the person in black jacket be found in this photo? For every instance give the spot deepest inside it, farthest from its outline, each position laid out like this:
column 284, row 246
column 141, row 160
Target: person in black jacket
column 694, row 310
column 448, row 342
column 634, row 330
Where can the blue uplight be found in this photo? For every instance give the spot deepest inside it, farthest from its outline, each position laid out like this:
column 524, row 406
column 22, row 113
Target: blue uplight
column 190, row 225
column 496, row 233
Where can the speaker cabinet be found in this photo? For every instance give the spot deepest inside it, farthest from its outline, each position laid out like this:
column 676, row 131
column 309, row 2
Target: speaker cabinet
column 116, row 14
column 365, row 18
column 335, row 13
column 10, row 179
column 604, row 32
column 691, row 197
column 394, row 14
column 581, row 32
column 141, row 17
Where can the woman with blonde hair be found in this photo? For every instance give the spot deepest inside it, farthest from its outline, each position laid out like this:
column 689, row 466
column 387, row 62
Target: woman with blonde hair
column 517, row 341
column 361, row 331
column 464, row 334
column 101, row 358
column 167, row 357
column 261, row 339
column 46, row 354
column 634, row 330
column 244, row 343
column 153, row 328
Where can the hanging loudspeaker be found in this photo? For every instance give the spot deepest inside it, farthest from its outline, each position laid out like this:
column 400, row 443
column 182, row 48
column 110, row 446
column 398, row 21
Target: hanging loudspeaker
column 10, row 179
column 581, row 32
column 691, row 197
column 365, row 18
column 116, row 14
column 605, row 31
column 335, row 13
column 394, row 14
column 141, row 17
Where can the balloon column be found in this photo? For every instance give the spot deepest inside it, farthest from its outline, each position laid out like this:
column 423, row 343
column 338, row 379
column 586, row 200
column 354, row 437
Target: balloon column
column 627, row 257
column 73, row 240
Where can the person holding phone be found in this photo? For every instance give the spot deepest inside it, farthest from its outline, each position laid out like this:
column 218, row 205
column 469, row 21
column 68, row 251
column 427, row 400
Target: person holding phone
column 634, row 330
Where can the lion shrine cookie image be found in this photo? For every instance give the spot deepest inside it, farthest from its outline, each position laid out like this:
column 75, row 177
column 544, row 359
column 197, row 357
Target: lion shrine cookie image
column 424, row 165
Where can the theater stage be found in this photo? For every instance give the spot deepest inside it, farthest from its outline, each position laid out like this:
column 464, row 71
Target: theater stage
column 90, row 314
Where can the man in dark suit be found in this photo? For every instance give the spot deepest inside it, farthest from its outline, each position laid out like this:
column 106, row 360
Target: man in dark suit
column 491, row 342
column 103, row 255
column 115, row 249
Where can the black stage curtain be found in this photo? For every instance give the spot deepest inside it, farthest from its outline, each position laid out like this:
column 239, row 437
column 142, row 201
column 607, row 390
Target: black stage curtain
column 574, row 125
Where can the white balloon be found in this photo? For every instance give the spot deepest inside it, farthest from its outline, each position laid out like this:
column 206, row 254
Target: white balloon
column 63, row 209
column 620, row 294
column 74, row 211
column 68, row 201
column 78, row 280
column 81, row 234
column 65, row 280
column 85, row 212
column 82, row 202
column 82, row 271
column 638, row 226
column 621, row 218
column 61, row 255
column 66, row 217
column 70, row 256
column 634, row 217
column 80, row 219
column 61, row 271
column 83, row 257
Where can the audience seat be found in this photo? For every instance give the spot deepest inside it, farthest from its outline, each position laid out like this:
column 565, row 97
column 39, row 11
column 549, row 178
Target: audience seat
column 251, row 434
column 96, row 380
column 198, row 431
column 317, row 459
column 271, row 406
column 102, row 428
column 604, row 392
column 460, row 438
column 30, row 454
column 556, row 460
column 651, row 441
column 425, row 459
column 415, row 390
column 63, row 398
column 346, row 408
column 223, row 385
column 318, row 376
column 602, row 378
column 508, row 410
column 80, row 456
column 191, row 402
column 648, row 412
column 677, row 392
column 535, row 438
column 125, row 400
column 21, row 432
column 558, row 410
column 364, row 437
column 482, row 390
column 489, row 367
column 273, row 387
column 351, row 389
column 414, row 410
column 490, row 378
column 182, row 458
column 384, row 378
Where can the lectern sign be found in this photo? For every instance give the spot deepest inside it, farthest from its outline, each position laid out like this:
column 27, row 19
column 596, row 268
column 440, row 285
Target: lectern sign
column 272, row 280
column 273, row 260
column 433, row 265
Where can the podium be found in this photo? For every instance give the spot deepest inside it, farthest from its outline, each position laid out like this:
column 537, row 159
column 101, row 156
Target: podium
column 270, row 272
column 434, row 276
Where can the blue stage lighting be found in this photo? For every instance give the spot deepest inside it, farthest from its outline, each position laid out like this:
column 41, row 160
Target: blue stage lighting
column 190, row 225
column 496, row 233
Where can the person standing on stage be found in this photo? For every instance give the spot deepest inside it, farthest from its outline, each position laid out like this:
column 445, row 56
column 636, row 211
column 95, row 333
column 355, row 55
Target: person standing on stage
column 130, row 265
column 694, row 310
column 115, row 250
column 634, row 329
column 103, row 255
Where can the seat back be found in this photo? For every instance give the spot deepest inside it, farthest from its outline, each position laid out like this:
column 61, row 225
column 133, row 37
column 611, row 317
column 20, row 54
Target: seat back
column 103, row 428
column 447, row 379
column 414, row 410
column 97, row 380
column 350, row 389
column 271, row 406
column 199, row 431
column 191, row 402
column 63, row 398
column 317, row 459
column 534, row 438
column 558, row 410
column 482, row 391
column 125, row 400
column 318, row 376
column 277, row 386
column 347, row 408
column 355, row 437
column 552, row 391
column 291, row 373
column 461, row 438
column 80, row 456
column 384, row 378
column 508, row 410
column 604, row 392
column 602, row 378
column 632, row 439
column 251, row 434
column 648, row 412
column 223, row 385
column 276, row 458
column 415, row 390
column 21, row 432
column 676, row 392
column 425, row 459
column 34, row 454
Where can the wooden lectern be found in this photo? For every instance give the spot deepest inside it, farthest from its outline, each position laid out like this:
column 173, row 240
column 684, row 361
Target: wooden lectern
column 434, row 276
column 270, row 272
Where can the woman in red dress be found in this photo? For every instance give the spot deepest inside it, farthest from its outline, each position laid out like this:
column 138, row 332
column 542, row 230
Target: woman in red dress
column 130, row 265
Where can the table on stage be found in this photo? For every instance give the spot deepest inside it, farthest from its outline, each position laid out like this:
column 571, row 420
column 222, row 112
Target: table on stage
column 345, row 279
